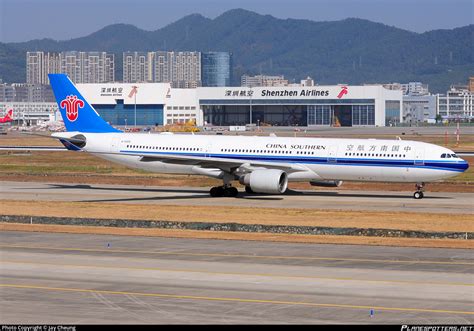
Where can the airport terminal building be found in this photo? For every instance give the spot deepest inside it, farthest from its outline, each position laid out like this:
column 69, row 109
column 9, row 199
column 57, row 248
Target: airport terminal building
column 159, row 104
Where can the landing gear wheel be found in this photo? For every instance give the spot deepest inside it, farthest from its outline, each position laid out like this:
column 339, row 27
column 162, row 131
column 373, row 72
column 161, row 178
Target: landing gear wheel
column 248, row 189
column 231, row 192
column 418, row 195
column 221, row 191
column 217, row 191
column 419, row 191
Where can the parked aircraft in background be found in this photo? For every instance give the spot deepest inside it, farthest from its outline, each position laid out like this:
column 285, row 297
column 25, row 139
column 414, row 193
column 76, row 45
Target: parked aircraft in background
column 53, row 126
column 8, row 117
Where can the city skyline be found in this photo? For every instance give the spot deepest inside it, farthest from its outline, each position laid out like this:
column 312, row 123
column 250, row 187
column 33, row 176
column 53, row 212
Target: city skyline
column 419, row 16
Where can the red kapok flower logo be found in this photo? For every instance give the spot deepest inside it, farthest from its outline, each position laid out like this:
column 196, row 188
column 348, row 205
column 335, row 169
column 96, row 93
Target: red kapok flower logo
column 72, row 105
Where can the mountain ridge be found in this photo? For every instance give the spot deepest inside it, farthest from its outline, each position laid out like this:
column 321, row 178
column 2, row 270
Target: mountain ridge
column 351, row 50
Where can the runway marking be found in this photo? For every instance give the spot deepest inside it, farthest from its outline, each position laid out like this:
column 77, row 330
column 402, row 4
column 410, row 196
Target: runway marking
column 242, row 300
column 240, row 274
column 180, row 253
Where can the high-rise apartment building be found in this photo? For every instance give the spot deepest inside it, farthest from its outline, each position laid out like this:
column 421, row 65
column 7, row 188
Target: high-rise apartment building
column 81, row 67
column 181, row 69
column 137, row 67
column 216, row 69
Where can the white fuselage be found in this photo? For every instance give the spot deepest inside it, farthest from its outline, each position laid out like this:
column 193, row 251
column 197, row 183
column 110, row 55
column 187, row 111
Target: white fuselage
column 320, row 158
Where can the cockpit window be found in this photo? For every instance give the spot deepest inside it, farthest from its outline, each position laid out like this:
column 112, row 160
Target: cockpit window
column 448, row 156
column 443, row 156
column 454, row 155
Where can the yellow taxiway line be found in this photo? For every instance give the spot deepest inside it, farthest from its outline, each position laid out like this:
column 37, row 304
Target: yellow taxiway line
column 241, row 300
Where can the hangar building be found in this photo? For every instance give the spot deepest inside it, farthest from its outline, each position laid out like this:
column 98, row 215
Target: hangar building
column 159, row 104
column 338, row 105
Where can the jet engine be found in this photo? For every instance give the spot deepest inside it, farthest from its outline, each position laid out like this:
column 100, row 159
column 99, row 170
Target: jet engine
column 272, row 181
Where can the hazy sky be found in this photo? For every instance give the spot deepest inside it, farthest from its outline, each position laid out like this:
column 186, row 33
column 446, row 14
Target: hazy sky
column 22, row 20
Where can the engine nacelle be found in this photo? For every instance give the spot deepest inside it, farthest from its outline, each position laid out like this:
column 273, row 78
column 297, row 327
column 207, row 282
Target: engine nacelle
column 272, row 181
column 326, row 183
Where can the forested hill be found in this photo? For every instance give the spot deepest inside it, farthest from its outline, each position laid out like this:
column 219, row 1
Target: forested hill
column 351, row 51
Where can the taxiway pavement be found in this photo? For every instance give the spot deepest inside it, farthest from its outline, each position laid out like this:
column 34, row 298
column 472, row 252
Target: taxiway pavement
column 434, row 202
column 80, row 279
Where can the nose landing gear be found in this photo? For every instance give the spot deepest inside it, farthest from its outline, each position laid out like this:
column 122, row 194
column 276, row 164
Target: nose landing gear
column 420, row 187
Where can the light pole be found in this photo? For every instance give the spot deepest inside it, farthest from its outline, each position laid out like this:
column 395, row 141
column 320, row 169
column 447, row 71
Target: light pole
column 251, row 93
column 136, row 91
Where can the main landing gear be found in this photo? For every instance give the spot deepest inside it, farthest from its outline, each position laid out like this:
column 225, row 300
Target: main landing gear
column 223, row 191
column 420, row 187
column 226, row 190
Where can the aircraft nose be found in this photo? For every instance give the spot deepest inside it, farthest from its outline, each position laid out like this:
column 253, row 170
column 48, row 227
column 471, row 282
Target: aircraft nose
column 464, row 165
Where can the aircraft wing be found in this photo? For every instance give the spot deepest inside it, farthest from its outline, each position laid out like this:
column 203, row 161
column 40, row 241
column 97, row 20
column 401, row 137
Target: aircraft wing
column 226, row 164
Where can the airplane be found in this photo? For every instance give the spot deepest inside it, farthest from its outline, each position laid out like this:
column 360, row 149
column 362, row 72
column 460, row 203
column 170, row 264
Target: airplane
column 262, row 164
column 52, row 125
column 8, row 117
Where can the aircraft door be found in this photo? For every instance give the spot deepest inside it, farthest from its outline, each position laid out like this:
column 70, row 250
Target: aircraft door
column 208, row 149
column 332, row 154
column 115, row 145
column 419, row 156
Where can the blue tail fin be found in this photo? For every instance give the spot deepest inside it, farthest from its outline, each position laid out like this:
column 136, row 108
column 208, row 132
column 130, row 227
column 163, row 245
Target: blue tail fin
column 77, row 113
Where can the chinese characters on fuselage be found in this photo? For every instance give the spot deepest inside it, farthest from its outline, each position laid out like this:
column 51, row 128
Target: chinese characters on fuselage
column 377, row 148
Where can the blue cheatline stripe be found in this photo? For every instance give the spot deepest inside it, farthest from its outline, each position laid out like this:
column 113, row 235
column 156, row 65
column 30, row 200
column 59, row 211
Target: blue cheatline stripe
column 428, row 164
